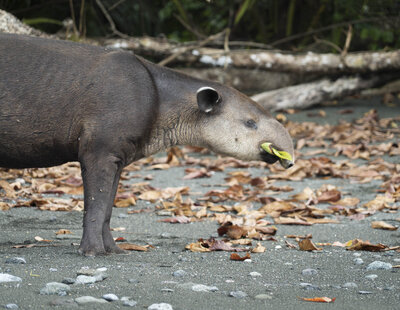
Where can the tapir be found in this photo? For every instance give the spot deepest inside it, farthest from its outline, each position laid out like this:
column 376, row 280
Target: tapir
column 62, row 101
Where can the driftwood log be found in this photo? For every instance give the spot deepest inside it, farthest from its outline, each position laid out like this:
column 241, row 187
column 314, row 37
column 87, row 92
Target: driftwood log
column 272, row 74
column 307, row 94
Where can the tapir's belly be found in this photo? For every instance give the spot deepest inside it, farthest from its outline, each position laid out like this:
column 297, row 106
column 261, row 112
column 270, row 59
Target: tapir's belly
column 34, row 139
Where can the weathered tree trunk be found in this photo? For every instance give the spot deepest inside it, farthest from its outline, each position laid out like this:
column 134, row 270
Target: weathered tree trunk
column 308, row 94
column 278, row 61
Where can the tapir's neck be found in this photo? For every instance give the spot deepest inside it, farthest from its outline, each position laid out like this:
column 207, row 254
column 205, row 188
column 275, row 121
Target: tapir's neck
column 178, row 120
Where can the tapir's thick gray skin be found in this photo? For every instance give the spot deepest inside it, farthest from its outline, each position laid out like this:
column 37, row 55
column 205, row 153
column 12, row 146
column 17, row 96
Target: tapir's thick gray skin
column 61, row 101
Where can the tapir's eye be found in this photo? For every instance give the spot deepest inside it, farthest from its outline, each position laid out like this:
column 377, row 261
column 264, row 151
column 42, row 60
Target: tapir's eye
column 251, row 124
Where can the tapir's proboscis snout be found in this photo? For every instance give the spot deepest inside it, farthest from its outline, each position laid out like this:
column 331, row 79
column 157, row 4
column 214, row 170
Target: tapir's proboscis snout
column 62, row 101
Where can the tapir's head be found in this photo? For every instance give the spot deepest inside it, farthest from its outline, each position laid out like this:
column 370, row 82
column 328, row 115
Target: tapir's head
column 234, row 125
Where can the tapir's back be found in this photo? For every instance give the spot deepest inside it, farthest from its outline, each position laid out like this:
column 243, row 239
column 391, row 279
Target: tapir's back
column 49, row 89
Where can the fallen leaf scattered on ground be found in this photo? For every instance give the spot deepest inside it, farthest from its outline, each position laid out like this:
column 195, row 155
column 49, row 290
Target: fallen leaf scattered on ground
column 308, row 245
column 63, row 232
column 133, row 247
column 258, row 249
column 359, row 245
column 383, row 225
column 237, row 257
column 177, row 219
column 319, row 299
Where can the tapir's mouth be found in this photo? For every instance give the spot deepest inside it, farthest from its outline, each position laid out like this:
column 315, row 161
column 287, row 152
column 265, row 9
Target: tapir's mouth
column 268, row 158
column 270, row 154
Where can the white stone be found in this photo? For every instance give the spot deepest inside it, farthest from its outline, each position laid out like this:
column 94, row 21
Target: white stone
column 5, row 277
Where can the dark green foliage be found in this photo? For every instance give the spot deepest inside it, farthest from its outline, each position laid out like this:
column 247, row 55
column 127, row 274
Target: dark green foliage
column 376, row 24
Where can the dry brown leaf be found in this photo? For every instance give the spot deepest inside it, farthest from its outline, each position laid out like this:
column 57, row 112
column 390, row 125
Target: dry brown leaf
column 241, row 241
column 380, row 202
column 308, row 245
column 270, row 230
column 277, row 206
column 359, row 245
column 10, row 192
column 348, row 202
column 197, row 247
column 321, row 220
column 177, row 220
column 319, row 299
column 125, row 203
column 258, row 249
column 133, row 247
column 309, row 236
column 201, row 213
column 383, row 225
column 193, row 173
column 151, row 195
column 290, row 245
column 290, row 221
column 237, row 257
column 305, row 195
column 4, row 206
column 329, row 196
column 63, row 232
column 232, row 231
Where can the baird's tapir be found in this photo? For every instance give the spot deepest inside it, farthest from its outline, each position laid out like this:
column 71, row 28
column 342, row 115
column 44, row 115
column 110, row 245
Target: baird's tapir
column 62, row 101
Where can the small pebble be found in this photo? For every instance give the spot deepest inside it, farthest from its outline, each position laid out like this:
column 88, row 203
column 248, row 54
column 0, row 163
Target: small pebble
column 396, row 260
column 357, row 254
column 230, row 281
column 389, row 288
column 277, row 247
column 15, row 260
column 378, row 265
column 129, row 303
column 371, row 276
column 358, row 261
column 5, row 277
column 89, row 299
column 167, row 290
column 350, row 285
column 248, row 260
column 364, row 292
column 53, row 269
column 68, row 281
column 122, row 215
column 204, row 288
column 179, row 273
column 309, row 287
column 110, row 297
column 133, row 281
column 255, row 274
column 238, row 294
column 162, row 306
column 55, row 288
column 309, row 272
column 62, row 301
column 263, row 296
column 11, row 306
column 82, row 279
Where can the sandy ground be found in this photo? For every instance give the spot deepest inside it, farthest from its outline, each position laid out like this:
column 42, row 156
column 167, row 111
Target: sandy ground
column 147, row 277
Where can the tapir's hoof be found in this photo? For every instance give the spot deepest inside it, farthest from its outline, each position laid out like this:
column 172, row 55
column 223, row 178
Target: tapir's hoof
column 92, row 252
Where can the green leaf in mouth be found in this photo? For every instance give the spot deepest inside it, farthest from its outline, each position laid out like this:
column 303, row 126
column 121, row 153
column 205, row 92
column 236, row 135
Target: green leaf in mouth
column 269, row 148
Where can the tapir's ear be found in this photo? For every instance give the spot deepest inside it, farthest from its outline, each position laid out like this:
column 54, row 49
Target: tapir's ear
column 207, row 99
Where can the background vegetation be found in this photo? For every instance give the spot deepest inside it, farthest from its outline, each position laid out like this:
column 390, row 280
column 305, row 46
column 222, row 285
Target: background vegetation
column 298, row 25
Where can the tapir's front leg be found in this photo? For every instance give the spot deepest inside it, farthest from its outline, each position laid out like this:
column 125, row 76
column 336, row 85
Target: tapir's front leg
column 100, row 174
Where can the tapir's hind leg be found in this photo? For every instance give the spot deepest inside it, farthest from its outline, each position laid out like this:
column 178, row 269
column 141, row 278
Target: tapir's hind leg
column 100, row 174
